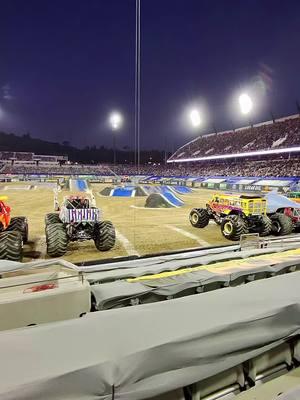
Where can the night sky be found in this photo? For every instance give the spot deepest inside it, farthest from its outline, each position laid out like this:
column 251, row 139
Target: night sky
column 64, row 64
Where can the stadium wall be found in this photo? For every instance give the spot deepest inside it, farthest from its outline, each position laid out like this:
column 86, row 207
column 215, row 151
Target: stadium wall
column 244, row 188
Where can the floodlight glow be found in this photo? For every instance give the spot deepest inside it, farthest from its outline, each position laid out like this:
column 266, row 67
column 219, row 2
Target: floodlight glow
column 246, row 103
column 195, row 118
column 115, row 120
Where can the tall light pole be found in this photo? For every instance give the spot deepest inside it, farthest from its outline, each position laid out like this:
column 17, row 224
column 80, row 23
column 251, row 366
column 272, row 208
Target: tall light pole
column 137, row 85
column 116, row 121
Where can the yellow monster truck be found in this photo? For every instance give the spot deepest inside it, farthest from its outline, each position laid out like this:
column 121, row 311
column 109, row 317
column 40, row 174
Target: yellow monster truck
column 237, row 214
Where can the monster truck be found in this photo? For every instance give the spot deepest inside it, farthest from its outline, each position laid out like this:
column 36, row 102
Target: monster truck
column 77, row 219
column 13, row 233
column 237, row 215
column 284, row 213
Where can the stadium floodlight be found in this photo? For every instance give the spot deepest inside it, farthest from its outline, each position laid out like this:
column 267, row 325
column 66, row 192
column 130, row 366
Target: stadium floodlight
column 246, row 103
column 195, row 118
column 115, row 120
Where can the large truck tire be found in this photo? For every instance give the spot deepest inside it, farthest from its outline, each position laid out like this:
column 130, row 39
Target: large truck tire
column 199, row 217
column 104, row 236
column 56, row 240
column 52, row 218
column 11, row 246
column 266, row 226
column 19, row 224
column 281, row 224
column 233, row 226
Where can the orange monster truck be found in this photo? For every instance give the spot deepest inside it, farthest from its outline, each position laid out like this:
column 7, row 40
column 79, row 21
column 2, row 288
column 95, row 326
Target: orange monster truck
column 13, row 233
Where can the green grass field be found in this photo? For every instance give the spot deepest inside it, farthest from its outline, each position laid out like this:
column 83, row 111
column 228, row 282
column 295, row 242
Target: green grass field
column 139, row 230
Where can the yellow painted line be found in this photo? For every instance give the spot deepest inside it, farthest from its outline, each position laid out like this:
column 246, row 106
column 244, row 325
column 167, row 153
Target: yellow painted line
column 166, row 274
column 225, row 266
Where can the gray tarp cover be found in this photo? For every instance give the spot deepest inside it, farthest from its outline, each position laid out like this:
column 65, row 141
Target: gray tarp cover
column 293, row 394
column 112, row 294
column 138, row 352
column 135, row 268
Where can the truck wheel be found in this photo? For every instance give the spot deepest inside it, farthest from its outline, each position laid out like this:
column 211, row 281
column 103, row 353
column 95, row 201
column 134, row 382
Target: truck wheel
column 281, row 224
column 266, row 226
column 232, row 227
column 105, row 236
column 11, row 246
column 56, row 239
column 199, row 217
column 19, row 224
column 52, row 218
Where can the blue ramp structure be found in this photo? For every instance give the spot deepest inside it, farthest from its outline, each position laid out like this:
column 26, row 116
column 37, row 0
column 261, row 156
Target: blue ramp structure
column 124, row 191
column 173, row 199
column 78, row 185
column 182, row 189
column 163, row 189
column 151, row 189
column 163, row 200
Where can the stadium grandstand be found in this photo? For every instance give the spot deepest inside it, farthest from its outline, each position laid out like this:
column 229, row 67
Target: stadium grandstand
column 269, row 149
column 267, row 138
column 275, row 168
column 14, row 157
column 260, row 168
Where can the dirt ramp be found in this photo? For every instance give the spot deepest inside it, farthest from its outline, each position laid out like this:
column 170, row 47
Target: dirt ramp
column 106, row 191
column 139, row 192
column 156, row 200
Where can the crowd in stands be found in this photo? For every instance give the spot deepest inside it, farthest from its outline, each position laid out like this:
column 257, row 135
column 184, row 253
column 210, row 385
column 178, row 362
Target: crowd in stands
column 55, row 169
column 274, row 168
column 7, row 155
column 16, row 156
column 270, row 135
column 46, row 158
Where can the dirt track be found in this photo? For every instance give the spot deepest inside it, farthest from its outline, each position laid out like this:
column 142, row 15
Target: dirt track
column 139, row 230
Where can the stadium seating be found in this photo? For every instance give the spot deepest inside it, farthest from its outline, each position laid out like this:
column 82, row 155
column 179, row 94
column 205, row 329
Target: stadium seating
column 174, row 395
column 283, row 133
column 242, row 168
column 29, row 156
column 266, row 365
column 7, row 155
column 271, row 367
column 230, row 381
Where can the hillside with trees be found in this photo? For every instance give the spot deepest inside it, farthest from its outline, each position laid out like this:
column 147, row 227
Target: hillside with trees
column 90, row 154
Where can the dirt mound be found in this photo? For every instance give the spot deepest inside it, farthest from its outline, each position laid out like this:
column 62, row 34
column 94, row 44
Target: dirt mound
column 106, row 191
column 139, row 192
column 155, row 200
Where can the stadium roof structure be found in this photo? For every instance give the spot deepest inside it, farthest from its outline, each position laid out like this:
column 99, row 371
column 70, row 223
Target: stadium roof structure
column 285, row 150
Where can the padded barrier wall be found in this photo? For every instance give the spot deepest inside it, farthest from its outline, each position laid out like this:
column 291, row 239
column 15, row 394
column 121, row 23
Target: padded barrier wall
column 162, row 347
